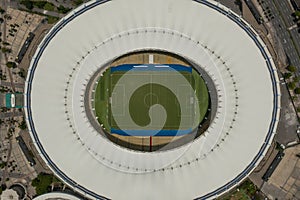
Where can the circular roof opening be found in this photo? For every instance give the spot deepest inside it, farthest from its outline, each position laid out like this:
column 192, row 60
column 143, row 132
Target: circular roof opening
column 150, row 101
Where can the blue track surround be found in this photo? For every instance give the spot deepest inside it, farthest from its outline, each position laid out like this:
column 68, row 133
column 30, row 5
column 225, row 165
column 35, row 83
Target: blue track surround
column 85, row 191
column 150, row 132
column 151, row 67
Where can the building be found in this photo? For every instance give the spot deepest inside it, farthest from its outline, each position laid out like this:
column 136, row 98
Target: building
column 203, row 31
column 9, row 194
column 56, row 195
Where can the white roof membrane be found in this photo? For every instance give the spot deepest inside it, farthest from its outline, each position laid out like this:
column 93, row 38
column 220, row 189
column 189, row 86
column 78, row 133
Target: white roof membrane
column 209, row 35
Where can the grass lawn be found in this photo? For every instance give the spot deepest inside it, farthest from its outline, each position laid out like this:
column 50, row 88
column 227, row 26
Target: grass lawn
column 201, row 92
column 49, row 6
column 146, row 96
column 102, row 99
column 52, row 20
column 245, row 191
column 43, row 182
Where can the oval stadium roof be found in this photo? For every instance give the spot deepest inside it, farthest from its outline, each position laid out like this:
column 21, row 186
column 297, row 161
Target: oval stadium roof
column 203, row 31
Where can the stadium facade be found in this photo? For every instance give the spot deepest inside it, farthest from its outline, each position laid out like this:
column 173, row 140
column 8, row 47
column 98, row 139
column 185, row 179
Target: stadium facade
column 202, row 31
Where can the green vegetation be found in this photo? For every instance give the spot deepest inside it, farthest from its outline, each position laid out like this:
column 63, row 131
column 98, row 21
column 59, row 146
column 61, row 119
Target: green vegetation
column 63, row 9
column 22, row 125
column 27, row 3
column 2, row 11
column 287, row 75
column 43, row 183
column 40, row 4
column 11, row 64
column 6, row 50
column 202, row 93
column 2, row 165
column 22, row 73
column 49, row 6
column 152, row 94
column 294, row 98
column 296, row 79
column 246, row 191
column 101, row 99
column 291, row 68
column 77, row 2
column 297, row 13
column 5, row 43
column 7, row 16
column 291, row 85
column 52, row 20
column 297, row 90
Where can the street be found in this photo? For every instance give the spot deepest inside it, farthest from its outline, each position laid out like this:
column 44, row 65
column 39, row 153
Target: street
column 282, row 21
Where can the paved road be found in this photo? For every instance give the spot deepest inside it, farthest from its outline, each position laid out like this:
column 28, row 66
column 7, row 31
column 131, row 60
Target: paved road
column 286, row 11
column 282, row 22
column 287, row 126
column 13, row 175
column 8, row 84
column 11, row 114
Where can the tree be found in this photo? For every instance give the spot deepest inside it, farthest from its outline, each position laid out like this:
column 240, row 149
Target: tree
column 297, row 90
column 49, row 6
column 11, row 64
column 63, row 9
column 42, row 183
column 287, row 75
column 292, row 68
column 22, row 73
column 52, row 19
column 296, row 79
column 77, row 2
column 297, row 13
column 5, row 50
column 291, row 85
column 7, row 17
column 22, row 125
column 28, row 4
column 2, row 10
column 40, row 4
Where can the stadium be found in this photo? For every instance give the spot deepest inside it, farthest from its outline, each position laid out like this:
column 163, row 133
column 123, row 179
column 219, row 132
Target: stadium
column 139, row 81
column 174, row 99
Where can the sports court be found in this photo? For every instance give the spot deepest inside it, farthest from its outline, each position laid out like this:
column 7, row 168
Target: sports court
column 152, row 100
column 150, row 95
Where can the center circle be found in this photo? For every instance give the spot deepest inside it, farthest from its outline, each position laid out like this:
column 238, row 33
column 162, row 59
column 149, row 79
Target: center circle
column 151, row 101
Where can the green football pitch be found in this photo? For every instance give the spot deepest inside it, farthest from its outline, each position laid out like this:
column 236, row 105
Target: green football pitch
column 150, row 100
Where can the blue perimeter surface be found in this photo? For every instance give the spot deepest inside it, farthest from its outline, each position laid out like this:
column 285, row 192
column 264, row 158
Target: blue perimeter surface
column 151, row 67
column 8, row 100
column 151, row 132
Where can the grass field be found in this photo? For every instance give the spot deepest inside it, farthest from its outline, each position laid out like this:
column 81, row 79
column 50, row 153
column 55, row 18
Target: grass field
column 101, row 100
column 141, row 92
